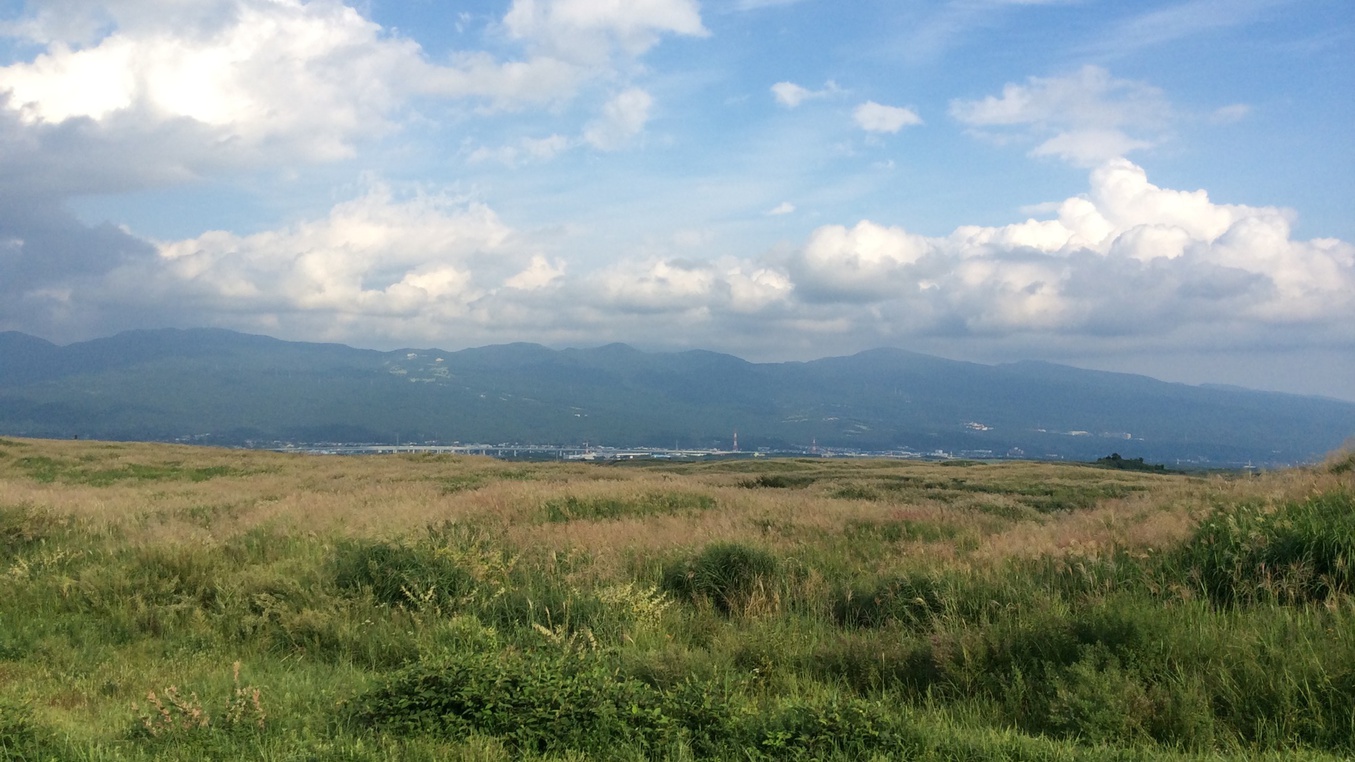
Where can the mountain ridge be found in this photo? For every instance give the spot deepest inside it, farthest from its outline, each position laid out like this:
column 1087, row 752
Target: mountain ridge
column 224, row 387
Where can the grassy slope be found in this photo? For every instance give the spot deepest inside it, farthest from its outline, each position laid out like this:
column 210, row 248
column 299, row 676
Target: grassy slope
column 437, row 608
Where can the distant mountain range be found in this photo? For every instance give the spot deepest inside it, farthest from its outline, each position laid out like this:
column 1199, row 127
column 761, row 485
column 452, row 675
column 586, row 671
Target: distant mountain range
column 221, row 387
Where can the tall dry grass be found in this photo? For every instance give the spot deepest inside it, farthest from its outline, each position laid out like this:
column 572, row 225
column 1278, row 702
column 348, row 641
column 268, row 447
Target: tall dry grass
column 395, row 496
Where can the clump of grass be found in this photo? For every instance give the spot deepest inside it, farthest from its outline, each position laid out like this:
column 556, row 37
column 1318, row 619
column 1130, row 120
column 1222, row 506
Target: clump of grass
column 1300, row 552
column 779, row 481
column 901, row 530
column 461, row 483
column 568, row 701
column 855, row 492
column 399, row 574
column 907, row 601
column 173, row 715
column 1342, row 463
column 169, row 713
column 572, row 508
column 22, row 527
column 48, row 470
column 726, row 574
column 21, row 735
column 546, row 700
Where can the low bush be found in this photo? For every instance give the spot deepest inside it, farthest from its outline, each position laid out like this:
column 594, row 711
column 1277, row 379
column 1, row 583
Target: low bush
column 22, row 527
column 542, row 701
column 726, row 574
column 1301, row 552
column 908, row 601
column 561, row 701
column 413, row 576
column 21, row 737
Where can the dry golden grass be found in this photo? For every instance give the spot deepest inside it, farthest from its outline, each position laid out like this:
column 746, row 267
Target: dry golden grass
column 975, row 515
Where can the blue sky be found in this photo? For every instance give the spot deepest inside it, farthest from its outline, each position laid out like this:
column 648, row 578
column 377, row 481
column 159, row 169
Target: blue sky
column 1154, row 187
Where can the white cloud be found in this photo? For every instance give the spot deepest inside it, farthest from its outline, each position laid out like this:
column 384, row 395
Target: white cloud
column 791, row 95
column 785, row 207
column 1126, row 258
column 1125, row 264
column 865, row 261
column 1088, row 147
column 623, row 117
column 130, row 94
column 586, row 30
column 524, row 151
column 1083, row 118
column 316, row 76
column 375, row 255
column 539, row 274
column 874, row 117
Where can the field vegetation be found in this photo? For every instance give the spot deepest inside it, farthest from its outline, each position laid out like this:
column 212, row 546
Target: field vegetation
column 162, row 602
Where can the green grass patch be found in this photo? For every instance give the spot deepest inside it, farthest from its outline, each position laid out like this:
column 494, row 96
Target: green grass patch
column 1302, row 552
column 779, row 481
column 573, row 508
column 727, row 575
column 49, row 470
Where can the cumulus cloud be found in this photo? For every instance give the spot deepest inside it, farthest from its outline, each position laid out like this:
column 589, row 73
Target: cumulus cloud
column 376, row 255
column 161, row 91
column 1084, row 118
column 525, row 150
column 313, row 76
column 1127, row 257
column 1126, row 263
column 791, row 95
column 623, row 117
column 785, row 207
column 585, row 30
column 874, row 117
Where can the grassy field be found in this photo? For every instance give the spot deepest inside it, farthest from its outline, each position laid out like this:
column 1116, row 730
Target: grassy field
column 162, row 602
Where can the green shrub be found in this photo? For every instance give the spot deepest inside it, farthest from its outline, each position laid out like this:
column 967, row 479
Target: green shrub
column 1301, row 552
column 22, row 527
column 908, row 601
column 550, row 701
column 726, row 574
column 21, row 737
column 418, row 576
column 848, row 728
column 872, row 662
column 540, row 701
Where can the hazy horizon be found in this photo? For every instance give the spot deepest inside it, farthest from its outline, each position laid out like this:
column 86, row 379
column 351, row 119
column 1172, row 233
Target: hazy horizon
column 1184, row 376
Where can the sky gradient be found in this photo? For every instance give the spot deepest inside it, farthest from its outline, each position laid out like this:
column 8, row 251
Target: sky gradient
column 1157, row 187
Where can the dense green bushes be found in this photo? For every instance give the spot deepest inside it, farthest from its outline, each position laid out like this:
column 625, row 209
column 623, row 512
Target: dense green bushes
column 551, row 700
column 1301, row 553
column 396, row 574
column 726, row 574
